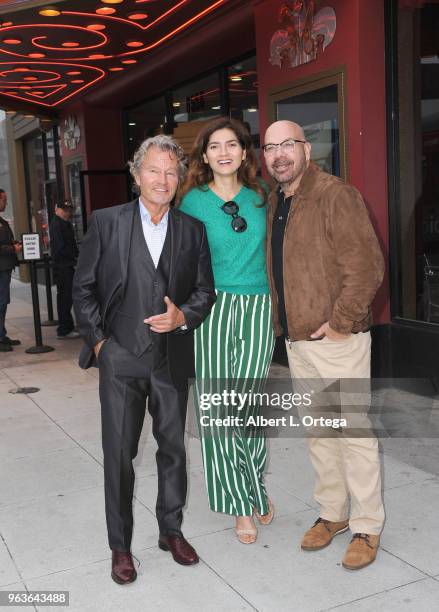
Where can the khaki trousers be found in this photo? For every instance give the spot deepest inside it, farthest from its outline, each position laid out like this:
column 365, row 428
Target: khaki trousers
column 345, row 467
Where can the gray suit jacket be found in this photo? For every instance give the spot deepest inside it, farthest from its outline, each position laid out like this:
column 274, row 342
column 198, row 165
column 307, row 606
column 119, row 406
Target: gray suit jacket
column 101, row 276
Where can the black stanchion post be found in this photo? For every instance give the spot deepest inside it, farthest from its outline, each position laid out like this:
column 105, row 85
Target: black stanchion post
column 39, row 346
column 50, row 320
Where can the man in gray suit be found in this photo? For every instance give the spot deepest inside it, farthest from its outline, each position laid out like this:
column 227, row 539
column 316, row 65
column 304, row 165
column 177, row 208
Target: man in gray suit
column 143, row 283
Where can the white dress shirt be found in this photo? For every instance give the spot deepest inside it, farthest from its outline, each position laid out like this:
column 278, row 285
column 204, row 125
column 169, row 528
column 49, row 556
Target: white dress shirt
column 155, row 235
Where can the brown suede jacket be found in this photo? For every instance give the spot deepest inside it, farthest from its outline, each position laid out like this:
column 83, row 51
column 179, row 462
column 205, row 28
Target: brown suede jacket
column 332, row 262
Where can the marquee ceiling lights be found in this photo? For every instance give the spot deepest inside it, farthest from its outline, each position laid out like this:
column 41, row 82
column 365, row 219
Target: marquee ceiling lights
column 81, row 38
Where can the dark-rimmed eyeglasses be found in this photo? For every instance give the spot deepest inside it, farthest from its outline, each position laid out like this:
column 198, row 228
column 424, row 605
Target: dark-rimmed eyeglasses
column 286, row 146
column 239, row 224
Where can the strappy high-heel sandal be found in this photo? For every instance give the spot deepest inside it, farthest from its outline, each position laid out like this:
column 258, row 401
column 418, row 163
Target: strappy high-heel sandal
column 265, row 519
column 246, row 536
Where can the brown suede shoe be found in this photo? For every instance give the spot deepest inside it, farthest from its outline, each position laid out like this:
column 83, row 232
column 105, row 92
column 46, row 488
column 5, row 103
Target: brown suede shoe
column 181, row 550
column 362, row 551
column 122, row 567
column 321, row 534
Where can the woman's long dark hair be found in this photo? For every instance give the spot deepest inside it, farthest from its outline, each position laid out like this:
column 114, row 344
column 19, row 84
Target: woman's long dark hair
column 200, row 173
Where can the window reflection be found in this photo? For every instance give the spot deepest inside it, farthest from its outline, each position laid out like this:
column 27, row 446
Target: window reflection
column 199, row 100
column 418, row 82
column 317, row 111
column 243, row 95
column 144, row 121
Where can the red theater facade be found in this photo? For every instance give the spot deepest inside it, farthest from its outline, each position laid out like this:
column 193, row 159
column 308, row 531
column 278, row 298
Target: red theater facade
column 360, row 75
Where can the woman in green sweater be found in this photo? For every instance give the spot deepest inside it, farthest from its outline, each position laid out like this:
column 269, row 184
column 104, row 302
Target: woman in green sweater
column 234, row 345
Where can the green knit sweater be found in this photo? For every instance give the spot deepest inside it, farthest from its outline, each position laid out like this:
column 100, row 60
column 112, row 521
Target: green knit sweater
column 238, row 259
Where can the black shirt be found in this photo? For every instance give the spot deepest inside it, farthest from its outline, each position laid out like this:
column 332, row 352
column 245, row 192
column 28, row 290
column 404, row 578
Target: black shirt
column 62, row 243
column 8, row 258
column 277, row 243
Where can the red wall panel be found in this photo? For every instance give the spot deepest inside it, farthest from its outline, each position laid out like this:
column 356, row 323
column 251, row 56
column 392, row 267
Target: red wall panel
column 100, row 148
column 358, row 45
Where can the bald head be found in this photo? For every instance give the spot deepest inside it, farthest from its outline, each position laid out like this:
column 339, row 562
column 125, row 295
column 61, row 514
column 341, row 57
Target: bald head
column 288, row 157
column 281, row 130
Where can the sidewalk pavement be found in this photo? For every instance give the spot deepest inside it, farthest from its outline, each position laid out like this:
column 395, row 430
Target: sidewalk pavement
column 52, row 524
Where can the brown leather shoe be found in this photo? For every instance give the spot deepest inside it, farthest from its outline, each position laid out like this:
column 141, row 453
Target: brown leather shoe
column 180, row 549
column 321, row 534
column 122, row 567
column 362, row 551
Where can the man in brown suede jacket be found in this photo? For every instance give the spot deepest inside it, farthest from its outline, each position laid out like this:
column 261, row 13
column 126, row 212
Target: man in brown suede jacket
column 325, row 266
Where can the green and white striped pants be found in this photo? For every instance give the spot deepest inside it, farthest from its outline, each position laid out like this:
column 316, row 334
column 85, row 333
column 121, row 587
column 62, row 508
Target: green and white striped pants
column 235, row 343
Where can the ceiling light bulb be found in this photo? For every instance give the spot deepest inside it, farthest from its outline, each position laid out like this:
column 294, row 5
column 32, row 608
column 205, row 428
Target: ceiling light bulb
column 105, row 10
column 137, row 16
column 49, row 11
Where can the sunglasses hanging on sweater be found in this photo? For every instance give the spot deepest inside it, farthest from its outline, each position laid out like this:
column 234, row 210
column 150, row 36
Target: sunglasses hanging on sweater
column 239, row 224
